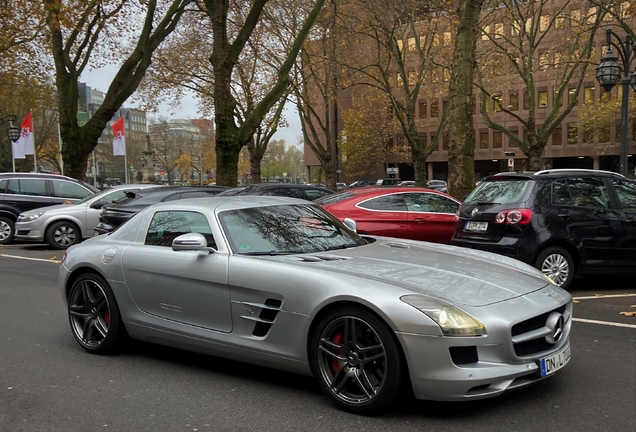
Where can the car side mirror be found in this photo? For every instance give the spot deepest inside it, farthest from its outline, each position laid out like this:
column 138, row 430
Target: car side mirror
column 351, row 224
column 191, row 242
column 98, row 204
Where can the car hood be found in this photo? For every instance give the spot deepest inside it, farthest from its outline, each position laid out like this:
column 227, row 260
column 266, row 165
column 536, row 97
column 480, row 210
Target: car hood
column 458, row 275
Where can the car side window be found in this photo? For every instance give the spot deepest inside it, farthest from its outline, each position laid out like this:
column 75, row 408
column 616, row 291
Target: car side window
column 626, row 192
column 168, row 225
column 3, row 185
column 113, row 196
column 430, row 203
column 392, row 202
column 67, row 189
column 286, row 192
column 580, row 192
column 32, row 187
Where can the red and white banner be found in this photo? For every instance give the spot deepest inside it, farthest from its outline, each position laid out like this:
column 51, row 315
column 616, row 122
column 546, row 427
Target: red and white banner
column 119, row 138
column 25, row 145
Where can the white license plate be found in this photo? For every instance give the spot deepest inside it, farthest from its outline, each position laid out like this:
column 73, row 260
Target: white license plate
column 556, row 361
column 476, row 226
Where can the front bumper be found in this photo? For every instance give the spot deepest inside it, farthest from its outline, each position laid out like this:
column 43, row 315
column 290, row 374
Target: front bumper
column 29, row 231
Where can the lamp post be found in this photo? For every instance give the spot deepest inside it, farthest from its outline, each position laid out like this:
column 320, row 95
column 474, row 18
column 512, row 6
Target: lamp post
column 609, row 73
column 13, row 132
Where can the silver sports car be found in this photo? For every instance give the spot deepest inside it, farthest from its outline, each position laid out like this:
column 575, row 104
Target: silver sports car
column 280, row 282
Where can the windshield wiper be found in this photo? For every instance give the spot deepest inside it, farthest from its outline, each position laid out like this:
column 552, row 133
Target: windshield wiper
column 344, row 246
column 271, row 253
column 488, row 203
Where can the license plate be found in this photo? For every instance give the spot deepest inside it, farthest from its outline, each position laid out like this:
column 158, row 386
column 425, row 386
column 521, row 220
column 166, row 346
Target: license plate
column 476, row 226
column 553, row 363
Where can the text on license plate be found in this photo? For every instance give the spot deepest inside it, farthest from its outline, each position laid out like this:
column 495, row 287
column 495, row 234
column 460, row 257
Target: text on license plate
column 476, row 226
column 556, row 361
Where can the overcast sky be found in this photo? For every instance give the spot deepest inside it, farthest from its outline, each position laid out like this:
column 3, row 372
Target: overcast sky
column 100, row 80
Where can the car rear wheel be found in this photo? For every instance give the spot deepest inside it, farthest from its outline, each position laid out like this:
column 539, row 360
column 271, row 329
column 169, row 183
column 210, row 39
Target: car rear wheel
column 94, row 315
column 62, row 235
column 357, row 361
column 7, row 230
column 556, row 263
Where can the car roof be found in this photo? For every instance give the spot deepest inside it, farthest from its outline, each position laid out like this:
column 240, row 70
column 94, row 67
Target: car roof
column 553, row 173
column 375, row 190
column 222, row 203
column 37, row 175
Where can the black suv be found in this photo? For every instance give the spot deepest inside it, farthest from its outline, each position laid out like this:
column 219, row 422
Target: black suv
column 306, row 192
column 564, row 222
column 123, row 209
column 20, row 192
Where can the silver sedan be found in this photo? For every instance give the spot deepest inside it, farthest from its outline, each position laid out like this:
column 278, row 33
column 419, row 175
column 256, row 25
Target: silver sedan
column 64, row 225
column 281, row 283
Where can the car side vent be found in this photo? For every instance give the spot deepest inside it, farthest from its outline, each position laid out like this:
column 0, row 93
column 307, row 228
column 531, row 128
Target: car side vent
column 464, row 355
column 266, row 317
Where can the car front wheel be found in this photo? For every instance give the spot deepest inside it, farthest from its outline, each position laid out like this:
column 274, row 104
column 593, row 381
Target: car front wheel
column 557, row 264
column 357, row 361
column 94, row 315
column 7, row 230
column 62, row 235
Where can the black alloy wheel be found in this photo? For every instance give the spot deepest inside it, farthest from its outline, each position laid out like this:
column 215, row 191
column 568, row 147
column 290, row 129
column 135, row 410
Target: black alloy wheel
column 94, row 315
column 62, row 235
column 7, row 230
column 357, row 361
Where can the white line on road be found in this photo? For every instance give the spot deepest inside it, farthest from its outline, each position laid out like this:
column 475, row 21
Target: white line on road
column 614, row 324
column 603, row 296
column 32, row 259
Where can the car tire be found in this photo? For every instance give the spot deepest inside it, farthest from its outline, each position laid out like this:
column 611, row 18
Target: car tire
column 358, row 361
column 62, row 235
column 557, row 264
column 94, row 315
column 7, row 230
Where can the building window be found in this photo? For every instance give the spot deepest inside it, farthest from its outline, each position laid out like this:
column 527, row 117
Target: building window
column 514, row 102
column 435, row 75
column 435, row 108
column 575, row 17
column 422, row 109
column 513, row 143
column 557, row 136
column 499, row 29
column 557, row 59
column 588, row 135
column 497, row 101
column 514, row 29
column 497, row 139
column 625, row 10
column 399, row 81
column 591, row 15
column 411, row 78
column 423, row 141
column 572, row 96
column 542, row 99
column 410, row 42
column 447, row 74
column 448, row 40
column 485, row 32
column 446, row 141
column 573, row 133
column 400, row 44
column 544, row 61
column 498, row 66
column 559, row 20
column 544, row 22
column 588, row 95
column 604, row 134
column 483, row 140
column 435, row 40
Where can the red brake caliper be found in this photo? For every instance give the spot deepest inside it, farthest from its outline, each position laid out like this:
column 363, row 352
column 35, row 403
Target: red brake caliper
column 337, row 339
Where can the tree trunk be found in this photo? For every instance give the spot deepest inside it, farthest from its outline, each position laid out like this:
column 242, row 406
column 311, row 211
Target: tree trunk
column 419, row 166
column 461, row 152
column 256, row 157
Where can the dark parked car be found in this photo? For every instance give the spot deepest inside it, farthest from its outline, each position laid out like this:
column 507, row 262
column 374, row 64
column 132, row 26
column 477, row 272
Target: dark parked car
column 361, row 183
column 20, row 192
column 306, row 192
column 113, row 216
column 564, row 222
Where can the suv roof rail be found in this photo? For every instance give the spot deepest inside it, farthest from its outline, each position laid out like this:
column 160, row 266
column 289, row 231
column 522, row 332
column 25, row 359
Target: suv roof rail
column 573, row 170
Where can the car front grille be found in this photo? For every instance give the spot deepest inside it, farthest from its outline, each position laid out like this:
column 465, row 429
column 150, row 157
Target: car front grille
column 464, row 355
column 536, row 344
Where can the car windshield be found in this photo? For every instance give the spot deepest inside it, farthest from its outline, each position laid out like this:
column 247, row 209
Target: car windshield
column 499, row 191
column 286, row 229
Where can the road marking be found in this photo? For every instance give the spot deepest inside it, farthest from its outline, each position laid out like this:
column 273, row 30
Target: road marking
column 32, row 259
column 603, row 296
column 614, row 324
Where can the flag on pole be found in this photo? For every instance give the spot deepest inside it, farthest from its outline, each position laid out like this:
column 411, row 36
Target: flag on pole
column 25, row 145
column 119, row 139
column 17, row 148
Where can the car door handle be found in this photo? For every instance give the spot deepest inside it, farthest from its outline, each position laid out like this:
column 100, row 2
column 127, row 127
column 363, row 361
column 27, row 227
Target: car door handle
column 420, row 220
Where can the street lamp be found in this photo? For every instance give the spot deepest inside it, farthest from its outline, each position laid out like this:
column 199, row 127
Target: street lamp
column 13, row 132
column 608, row 74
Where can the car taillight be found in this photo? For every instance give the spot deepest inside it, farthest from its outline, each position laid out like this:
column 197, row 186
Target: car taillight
column 514, row 217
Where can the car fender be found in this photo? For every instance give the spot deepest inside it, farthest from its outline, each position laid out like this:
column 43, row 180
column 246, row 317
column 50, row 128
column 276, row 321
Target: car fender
column 64, row 217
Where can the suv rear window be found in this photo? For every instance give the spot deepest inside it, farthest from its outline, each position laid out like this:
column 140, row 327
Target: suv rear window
column 500, row 191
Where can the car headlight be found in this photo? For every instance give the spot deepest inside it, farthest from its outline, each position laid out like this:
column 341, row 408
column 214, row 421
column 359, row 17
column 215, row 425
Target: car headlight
column 29, row 217
column 452, row 320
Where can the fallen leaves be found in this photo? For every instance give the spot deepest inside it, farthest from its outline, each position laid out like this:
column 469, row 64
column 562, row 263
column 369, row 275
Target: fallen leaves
column 633, row 314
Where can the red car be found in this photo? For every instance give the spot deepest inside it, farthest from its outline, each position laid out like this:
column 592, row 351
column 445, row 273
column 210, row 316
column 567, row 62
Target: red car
column 404, row 212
